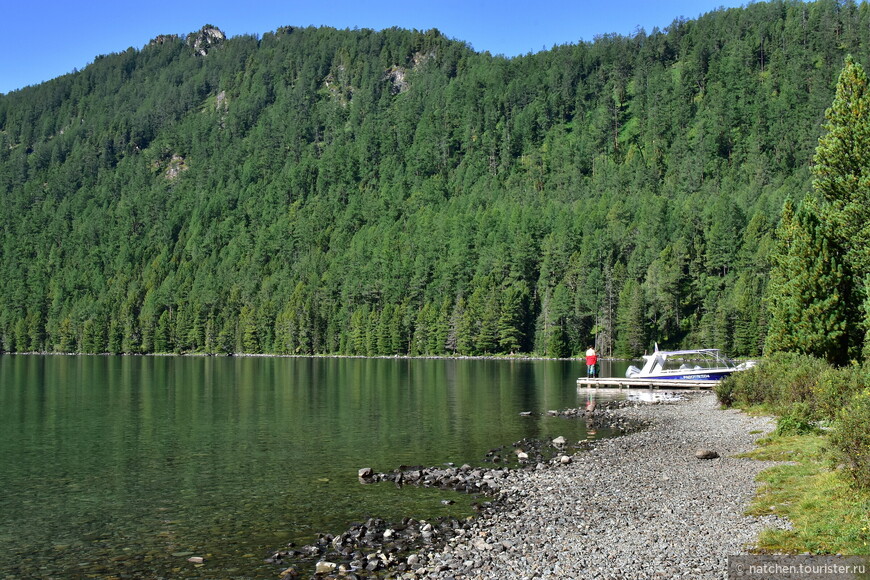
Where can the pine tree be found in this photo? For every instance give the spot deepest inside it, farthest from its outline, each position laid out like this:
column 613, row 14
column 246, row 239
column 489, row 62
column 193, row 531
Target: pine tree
column 66, row 336
column 809, row 291
column 422, row 330
column 225, row 342
column 384, row 335
column 557, row 343
column 512, row 319
column 555, row 316
column 284, row 332
column 398, row 331
column 210, row 336
column 36, row 330
column 440, row 334
column 841, row 166
column 486, row 340
column 631, row 328
column 22, row 341
column 195, row 336
column 162, row 334
column 359, row 321
column 250, row 333
column 458, row 339
column 181, row 330
column 372, row 333
column 841, row 174
column 116, row 337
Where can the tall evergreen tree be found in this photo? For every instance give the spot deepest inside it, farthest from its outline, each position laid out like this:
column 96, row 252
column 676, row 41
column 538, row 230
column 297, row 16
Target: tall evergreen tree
column 512, row 319
column 841, row 174
column 809, row 291
column 841, row 166
column 630, row 321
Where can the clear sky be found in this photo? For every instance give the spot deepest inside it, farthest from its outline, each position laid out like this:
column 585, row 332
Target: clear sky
column 43, row 39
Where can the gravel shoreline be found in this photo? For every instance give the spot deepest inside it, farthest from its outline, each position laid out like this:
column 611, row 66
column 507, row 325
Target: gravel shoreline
column 637, row 506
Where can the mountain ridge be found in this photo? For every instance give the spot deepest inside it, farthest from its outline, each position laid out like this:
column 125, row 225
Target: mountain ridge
column 395, row 192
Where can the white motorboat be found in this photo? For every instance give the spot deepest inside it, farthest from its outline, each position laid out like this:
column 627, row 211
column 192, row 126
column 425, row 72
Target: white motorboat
column 706, row 364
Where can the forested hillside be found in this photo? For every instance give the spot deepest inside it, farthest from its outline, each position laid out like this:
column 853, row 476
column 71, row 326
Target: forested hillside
column 362, row 192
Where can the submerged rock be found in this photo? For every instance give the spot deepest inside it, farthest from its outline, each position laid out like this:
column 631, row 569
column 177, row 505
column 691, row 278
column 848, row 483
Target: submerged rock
column 324, row 567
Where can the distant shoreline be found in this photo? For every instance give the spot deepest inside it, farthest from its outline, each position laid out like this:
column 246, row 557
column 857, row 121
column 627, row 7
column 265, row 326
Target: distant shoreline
column 505, row 357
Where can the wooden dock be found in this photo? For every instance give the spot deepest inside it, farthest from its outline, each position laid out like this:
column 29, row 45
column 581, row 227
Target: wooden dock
column 618, row 383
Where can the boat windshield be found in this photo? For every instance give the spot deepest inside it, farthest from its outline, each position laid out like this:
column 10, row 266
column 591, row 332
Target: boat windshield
column 695, row 359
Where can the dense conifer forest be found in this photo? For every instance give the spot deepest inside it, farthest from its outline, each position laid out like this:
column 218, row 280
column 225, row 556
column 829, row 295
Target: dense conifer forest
column 376, row 193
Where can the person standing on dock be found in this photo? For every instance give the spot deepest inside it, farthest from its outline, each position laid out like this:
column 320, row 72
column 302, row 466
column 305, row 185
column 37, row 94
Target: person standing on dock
column 591, row 361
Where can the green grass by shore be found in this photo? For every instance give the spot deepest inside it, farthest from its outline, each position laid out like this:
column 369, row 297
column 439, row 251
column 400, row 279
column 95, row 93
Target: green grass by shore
column 828, row 515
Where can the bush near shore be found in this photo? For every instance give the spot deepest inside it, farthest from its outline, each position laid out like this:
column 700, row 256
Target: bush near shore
column 808, row 394
column 823, row 431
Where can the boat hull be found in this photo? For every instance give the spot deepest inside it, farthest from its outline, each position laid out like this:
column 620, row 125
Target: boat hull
column 705, row 375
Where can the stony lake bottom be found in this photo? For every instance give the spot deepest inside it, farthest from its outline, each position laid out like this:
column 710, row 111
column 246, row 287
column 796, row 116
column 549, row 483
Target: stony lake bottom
column 128, row 465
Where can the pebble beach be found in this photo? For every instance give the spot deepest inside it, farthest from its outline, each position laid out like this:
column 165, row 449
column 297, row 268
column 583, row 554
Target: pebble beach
column 643, row 505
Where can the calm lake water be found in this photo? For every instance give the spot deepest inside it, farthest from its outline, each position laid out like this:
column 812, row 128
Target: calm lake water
column 127, row 466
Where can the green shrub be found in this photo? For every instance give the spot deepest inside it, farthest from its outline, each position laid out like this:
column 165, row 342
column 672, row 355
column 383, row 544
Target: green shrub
column 850, row 438
column 776, row 382
column 836, row 387
column 798, row 420
column 725, row 390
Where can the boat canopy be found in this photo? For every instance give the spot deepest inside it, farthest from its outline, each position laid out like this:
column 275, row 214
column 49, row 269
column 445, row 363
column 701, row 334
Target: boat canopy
column 685, row 360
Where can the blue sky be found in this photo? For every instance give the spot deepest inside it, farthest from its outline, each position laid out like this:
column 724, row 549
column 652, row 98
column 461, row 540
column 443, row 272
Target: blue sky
column 43, row 39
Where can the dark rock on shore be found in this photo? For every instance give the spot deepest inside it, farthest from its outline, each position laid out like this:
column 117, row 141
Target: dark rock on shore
column 465, row 479
column 706, row 454
column 372, row 548
column 603, row 415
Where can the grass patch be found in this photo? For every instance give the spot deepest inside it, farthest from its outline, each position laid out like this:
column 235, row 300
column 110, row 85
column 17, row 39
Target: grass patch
column 828, row 515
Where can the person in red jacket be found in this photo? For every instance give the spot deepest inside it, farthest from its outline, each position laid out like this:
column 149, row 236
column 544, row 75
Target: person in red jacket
column 591, row 361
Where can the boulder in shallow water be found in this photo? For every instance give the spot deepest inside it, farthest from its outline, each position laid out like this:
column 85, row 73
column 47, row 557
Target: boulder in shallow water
column 324, row 567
